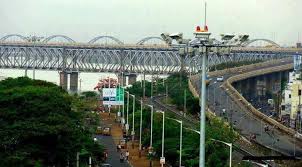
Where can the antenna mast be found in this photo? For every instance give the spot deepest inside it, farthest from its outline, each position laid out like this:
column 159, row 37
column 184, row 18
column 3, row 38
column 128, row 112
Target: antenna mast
column 205, row 13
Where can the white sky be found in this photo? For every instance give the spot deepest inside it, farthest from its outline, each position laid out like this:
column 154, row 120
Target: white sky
column 131, row 20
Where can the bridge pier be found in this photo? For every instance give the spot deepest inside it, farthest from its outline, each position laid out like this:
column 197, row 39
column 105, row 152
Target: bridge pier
column 63, row 80
column 121, row 79
column 74, row 77
column 132, row 79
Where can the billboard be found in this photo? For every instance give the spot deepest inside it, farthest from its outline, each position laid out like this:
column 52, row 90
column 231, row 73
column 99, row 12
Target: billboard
column 113, row 96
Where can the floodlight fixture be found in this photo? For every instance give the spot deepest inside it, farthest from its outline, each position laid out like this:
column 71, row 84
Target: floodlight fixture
column 166, row 37
column 202, row 36
column 227, row 37
column 243, row 38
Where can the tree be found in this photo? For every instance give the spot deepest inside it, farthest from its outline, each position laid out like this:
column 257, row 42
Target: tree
column 38, row 125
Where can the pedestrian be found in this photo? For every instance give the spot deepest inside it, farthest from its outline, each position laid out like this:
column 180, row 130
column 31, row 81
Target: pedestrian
column 121, row 157
column 127, row 155
column 106, row 155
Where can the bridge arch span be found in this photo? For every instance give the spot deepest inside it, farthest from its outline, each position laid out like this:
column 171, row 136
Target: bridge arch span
column 23, row 38
column 94, row 40
column 142, row 41
column 256, row 40
column 68, row 39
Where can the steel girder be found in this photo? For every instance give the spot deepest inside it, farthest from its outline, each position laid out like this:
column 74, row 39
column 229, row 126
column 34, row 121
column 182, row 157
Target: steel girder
column 128, row 60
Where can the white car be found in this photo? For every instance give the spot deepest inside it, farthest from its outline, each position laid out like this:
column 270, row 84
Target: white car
column 219, row 79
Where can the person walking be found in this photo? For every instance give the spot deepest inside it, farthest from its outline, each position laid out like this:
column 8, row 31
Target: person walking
column 127, row 155
column 121, row 157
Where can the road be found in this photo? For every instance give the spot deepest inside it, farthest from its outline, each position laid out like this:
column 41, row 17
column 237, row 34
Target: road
column 108, row 142
column 246, row 123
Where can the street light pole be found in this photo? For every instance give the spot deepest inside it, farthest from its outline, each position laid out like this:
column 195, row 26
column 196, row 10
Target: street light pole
column 140, row 129
column 163, row 138
column 180, row 139
column 127, row 120
column 151, row 134
column 202, row 111
column 133, row 110
column 228, row 144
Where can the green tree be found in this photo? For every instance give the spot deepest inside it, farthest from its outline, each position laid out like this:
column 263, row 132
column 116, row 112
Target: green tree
column 38, row 125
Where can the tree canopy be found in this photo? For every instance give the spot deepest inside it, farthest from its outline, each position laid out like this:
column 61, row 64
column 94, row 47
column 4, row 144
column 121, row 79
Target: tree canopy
column 38, row 125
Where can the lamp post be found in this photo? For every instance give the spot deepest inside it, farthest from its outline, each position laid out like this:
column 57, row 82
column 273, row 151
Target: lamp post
column 203, row 43
column 228, row 144
column 140, row 129
column 133, row 110
column 214, row 93
column 151, row 134
column 180, row 139
column 162, row 162
column 127, row 117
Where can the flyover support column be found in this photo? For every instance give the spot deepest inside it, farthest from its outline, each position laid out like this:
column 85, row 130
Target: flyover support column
column 63, row 80
column 121, row 79
column 74, row 77
column 132, row 79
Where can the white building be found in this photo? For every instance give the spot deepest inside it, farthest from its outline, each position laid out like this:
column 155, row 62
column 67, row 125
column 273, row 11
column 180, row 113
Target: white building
column 292, row 98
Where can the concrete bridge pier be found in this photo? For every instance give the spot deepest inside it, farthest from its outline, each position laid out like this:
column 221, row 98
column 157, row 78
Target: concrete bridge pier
column 74, row 78
column 63, row 79
column 121, row 79
column 132, row 79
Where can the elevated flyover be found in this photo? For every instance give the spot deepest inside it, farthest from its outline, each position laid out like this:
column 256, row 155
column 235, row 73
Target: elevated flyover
column 242, row 115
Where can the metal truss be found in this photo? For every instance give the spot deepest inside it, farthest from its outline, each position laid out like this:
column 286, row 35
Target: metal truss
column 137, row 59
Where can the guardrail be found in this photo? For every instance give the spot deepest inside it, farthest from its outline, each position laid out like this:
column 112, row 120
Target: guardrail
column 241, row 101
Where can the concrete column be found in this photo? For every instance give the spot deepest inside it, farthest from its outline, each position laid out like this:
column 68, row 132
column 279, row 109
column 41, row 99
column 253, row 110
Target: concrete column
column 121, row 79
column 74, row 77
column 268, row 82
column 63, row 80
column 132, row 79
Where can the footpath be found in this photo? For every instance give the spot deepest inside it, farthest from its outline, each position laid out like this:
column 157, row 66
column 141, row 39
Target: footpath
column 117, row 134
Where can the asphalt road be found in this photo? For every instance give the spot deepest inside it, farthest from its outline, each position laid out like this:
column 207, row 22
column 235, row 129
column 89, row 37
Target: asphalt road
column 108, row 142
column 246, row 123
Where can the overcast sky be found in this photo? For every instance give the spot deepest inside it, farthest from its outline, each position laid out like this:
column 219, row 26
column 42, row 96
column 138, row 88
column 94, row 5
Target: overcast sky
column 131, row 20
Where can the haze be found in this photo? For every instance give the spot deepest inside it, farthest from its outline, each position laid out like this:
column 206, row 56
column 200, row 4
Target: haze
column 131, row 20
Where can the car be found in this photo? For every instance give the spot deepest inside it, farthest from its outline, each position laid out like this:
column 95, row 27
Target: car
column 106, row 165
column 220, row 79
column 107, row 131
column 99, row 130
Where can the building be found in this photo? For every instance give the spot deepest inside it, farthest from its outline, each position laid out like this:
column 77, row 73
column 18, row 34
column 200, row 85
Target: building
column 292, row 99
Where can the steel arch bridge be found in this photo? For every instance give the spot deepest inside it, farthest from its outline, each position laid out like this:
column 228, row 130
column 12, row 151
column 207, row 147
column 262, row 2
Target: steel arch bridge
column 142, row 41
column 115, row 59
column 265, row 40
column 94, row 40
column 23, row 39
column 137, row 58
column 68, row 39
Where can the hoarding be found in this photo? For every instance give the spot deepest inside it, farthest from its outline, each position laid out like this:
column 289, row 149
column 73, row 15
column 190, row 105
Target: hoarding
column 113, row 96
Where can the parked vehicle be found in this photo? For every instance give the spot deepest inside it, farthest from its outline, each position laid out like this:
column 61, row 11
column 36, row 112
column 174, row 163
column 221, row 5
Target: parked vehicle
column 106, row 165
column 99, row 130
column 220, row 79
column 107, row 131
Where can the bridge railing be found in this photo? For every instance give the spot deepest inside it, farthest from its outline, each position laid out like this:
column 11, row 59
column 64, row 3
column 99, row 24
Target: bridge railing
column 240, row 100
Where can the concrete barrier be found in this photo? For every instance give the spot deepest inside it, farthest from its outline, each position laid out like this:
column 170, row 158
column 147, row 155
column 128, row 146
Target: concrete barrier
column 240, row 100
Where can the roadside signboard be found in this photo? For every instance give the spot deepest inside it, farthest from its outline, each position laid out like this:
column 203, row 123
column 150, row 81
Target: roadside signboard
column 113, row 96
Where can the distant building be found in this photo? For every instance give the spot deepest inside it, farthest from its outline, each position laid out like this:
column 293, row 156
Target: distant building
column 292, row 99
column 299, row 45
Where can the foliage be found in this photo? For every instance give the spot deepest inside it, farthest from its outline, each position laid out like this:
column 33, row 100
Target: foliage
column 223, row 66
column 217, row 153
column 89, row 94
column 38, row 125
column 177, row 86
